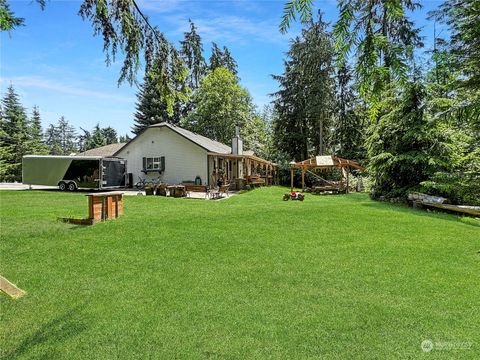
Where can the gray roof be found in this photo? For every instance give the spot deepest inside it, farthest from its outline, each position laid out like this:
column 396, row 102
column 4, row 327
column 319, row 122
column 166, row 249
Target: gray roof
column 107, row 150
column 206, row 143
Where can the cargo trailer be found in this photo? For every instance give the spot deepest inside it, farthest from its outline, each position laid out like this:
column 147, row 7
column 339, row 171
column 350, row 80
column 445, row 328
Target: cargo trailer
column 74, row 172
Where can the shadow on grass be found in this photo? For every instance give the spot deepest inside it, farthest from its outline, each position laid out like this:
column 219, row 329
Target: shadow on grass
column 61, row 328
column 403, row 208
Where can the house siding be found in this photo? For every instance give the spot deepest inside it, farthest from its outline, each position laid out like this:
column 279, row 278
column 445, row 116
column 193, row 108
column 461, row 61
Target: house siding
column 184, row 160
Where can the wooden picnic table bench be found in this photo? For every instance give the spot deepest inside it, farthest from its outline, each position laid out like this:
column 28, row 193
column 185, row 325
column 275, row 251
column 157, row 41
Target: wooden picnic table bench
column 190, row 188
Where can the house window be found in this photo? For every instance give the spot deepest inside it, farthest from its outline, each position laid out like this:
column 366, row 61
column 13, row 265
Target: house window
column 154, row 163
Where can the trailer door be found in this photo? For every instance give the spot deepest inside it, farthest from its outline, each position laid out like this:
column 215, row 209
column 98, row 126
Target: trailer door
column 114, row 171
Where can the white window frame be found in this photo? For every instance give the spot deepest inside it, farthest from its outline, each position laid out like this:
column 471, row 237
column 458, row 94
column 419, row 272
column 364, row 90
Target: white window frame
column 153, row 163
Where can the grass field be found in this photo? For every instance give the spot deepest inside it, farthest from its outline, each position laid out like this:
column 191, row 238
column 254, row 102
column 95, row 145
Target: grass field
column 247, row 277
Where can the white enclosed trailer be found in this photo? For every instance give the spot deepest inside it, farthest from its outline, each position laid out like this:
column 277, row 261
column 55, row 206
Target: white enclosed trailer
column 74, row 172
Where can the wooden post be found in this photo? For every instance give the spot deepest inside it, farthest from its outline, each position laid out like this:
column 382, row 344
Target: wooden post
column 291, row 178
column 303, row 179
column 347, row 180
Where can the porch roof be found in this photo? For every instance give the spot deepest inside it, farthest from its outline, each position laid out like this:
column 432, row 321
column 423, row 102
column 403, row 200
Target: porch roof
column 250, row 157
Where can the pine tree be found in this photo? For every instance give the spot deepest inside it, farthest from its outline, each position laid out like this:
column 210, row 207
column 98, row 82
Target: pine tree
column 229, row 62
column 158, row 101
column 67, row 136
column 124, row 138
column 13, row 136
column 219, row 58
column 216, row 57
column 110, row 135
column 349, row 130
column 403, row 147
column 35, row 144
column 52, row 140
column 83, row 139
column 150, row 107
column 97, row 139
column 304, row 103
column 61, row 138
column 192, row 52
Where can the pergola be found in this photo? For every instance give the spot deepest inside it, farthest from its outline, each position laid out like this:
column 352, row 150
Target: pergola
column 323, row 162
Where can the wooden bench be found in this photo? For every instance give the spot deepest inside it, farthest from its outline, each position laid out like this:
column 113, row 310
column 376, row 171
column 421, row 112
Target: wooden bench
column 189, row 188
column 327, row 188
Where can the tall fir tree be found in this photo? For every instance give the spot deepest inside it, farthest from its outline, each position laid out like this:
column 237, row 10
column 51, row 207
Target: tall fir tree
column 304, row 103
column 192, row 53
column 61, row 138
column 35, row 143
column 110, row 135
column 52, row 140
column 229, row 62
column 216, row 57
column 158, row 100
column 349, row 124
column 222, row 58
column 403, row 147
column 150, row 107
column 13, row 136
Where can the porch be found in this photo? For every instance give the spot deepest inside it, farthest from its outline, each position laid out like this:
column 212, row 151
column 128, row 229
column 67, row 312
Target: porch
column 240, row 170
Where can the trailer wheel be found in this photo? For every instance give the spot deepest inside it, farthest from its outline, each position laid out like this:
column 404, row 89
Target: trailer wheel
column 62, row 186
column 72, row 186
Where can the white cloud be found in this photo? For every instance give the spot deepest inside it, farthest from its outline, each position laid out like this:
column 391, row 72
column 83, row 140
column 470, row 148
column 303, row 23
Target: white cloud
column 231, row 28
column 39, row 82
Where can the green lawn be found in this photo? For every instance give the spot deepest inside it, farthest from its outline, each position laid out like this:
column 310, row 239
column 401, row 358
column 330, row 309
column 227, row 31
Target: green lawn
column 248, row 277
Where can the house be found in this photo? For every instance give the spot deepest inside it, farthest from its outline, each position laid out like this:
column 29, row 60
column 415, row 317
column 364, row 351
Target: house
column 177, row 155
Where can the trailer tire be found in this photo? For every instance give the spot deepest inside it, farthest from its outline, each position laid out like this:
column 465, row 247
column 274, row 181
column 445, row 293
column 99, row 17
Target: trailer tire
column 72, row 186
column 62, row 186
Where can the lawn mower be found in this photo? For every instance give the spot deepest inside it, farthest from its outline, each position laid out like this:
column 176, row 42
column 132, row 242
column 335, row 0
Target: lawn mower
column 294, row 196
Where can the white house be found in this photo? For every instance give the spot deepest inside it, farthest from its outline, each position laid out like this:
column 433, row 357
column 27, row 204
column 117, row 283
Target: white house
column 178, row 155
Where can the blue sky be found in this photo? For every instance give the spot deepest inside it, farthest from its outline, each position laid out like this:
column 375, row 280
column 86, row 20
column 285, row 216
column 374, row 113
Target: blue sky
column 56, row 63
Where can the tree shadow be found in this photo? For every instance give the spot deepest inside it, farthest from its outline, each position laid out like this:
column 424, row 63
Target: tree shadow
column 65, row 326
column 439, row 215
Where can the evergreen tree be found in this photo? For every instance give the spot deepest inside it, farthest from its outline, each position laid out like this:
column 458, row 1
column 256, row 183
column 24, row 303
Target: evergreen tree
column 35, row 144
column 304, row 104
column 403, row 146
column 53, row 141
column 216, row 57
column 158, row 101
column 219, row 58
column 150, row 107
column 349, row 128
column 110, row 135
column 384, row 38
column 61, row 138
column 83, row 140
column 8, row 20
column 228, row 62
column 97, row 139
column 67, row 136
column 13, row 136
column 192, row 52
column 124, row 138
